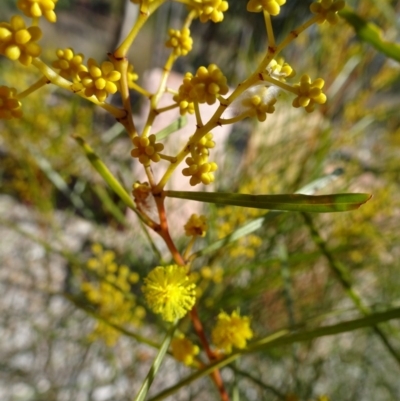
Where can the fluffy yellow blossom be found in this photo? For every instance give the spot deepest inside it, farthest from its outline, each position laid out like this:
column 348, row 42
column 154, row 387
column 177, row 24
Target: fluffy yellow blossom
column 169, row 292
column 179, row 41
column 207, row 84
column 99, row 81
column 69, row 64
column 196, row 226
column 17, row 42
column 10, row 107
column 309, row 93
column 327, row 10
column 146, row 149
column 272, row 7
column 38, row 8
column 211, row 9
column 231, row 331
column 183, row 350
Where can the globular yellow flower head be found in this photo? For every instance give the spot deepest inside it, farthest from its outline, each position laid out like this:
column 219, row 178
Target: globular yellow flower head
column 38, row 8
column 327, row 10
column 207, row 84
column 183, row 96
column 272, row 7
column 196, row 226
column 169, row 292
column 309, row 93
column 211, row 9
column 10, row 107
column 69, row 64
column 98, row 81
column 146, row 149
column 17, row 42
column 183, row 350
column 231, row 331
column 179, row 41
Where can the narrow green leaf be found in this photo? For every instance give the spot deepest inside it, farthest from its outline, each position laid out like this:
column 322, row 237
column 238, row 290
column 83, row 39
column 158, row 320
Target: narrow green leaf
column 286, row 202
column 103, row 170
column 284, row 337
column 141, row 396
column 371, row 33
column 257, row 223
column 173, row 127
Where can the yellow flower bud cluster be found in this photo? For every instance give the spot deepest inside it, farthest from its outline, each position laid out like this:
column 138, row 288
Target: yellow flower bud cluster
column 211, row 9
column 98, row 81
column 327, row 10
column 196, row 226
column 231, row 331
column 10, row 107
column 17, row 42
column 260, row 103
column 179, row 41
column 183, row 350
column 146, row 149
column 280, row 70
column 38, row 8
column 309, row 93
column 69, row 64
column 199, row 168
column 183, row 96
column 272, row 7
column 111, row 295
column 208, row 83
column 169, row 292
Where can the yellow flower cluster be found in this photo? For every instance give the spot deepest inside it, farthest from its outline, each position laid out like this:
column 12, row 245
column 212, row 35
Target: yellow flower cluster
column 207, row 84
column 111, row 296
column 169, row 292
column 204, row 87
column 183, row 350
column 272, row 7
column 215, row 275
column 17, row 42
column 183, row 96
column 231, row 331
column 260, row 103
column 38, row 8
column 211, row 9
column 69, row 64
column 199, row 168
column 10, row 106
column 98, row 81
column 280, row 70
column 179, row 41
column 327, row 10
column 196, row 226
column 309, row 93
column 146, row 149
